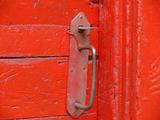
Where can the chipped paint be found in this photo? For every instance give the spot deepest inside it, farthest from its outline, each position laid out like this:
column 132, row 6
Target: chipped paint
column 36, row 3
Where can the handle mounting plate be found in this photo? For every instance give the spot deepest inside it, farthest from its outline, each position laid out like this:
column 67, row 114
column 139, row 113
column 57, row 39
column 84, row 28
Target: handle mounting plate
column 78, row 64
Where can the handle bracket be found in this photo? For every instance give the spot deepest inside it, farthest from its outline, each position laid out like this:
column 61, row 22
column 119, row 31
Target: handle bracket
column 78, row 67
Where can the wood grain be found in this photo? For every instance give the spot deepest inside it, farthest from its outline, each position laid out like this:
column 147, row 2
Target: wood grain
column 59, row 12
column 34, row 87
column 37, row 40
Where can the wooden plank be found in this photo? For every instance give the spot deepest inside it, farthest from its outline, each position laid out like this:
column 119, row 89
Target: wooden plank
column 34, row 87
column 45, row 11
column 37, row 40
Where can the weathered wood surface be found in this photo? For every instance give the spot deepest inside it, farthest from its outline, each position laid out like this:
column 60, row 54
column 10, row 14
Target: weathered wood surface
column 129, row 64
column 37, row 40
column 34, row 50
column 34, row 87
column 58, row 12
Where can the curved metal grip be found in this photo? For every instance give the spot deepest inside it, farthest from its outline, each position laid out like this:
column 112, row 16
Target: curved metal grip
column 93, row 85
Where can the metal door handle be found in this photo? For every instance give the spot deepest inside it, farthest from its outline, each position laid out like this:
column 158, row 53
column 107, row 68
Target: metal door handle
column 78, row 66
column 93, row 84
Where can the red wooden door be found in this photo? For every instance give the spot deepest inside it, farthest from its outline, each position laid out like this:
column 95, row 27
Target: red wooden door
column 34, row 50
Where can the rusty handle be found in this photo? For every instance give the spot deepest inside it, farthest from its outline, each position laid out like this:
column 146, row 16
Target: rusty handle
column 93, row 85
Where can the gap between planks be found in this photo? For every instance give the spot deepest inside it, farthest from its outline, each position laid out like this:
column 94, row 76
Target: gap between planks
column 31, row 57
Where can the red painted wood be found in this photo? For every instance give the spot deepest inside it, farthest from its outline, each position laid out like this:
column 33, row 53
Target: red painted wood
column 148, row 60
column 34, row 87
column 115, row 59
column 34, row 50
column 105, row 85
column 129, row 63
column 56, row 12
column 117, row 87
column 128, row 87
column 37, row 40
